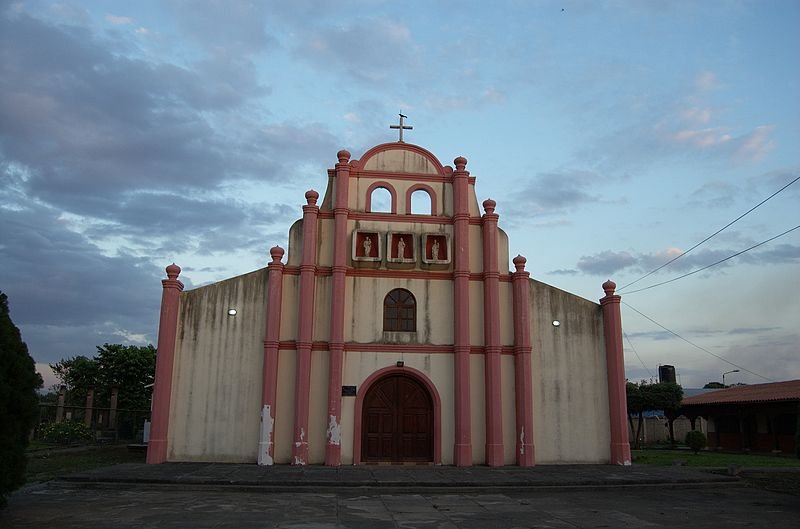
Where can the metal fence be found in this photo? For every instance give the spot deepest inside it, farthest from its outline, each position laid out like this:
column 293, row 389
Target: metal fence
column 107, row 424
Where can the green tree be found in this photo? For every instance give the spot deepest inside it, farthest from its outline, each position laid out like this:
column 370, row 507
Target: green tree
column 642, row 397
column 714, row 385
column 19, row 406
column 695, row 440
column 129, row 367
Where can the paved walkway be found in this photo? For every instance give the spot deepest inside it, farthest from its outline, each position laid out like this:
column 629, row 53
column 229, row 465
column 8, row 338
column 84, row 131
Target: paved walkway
column 194, row 495
column 284, row 478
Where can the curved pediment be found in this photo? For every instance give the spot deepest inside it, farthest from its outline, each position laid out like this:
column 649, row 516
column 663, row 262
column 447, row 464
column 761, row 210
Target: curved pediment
column 400, row 158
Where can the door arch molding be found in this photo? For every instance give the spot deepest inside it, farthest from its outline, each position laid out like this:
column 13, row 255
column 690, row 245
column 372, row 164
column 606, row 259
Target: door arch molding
column 410, row 372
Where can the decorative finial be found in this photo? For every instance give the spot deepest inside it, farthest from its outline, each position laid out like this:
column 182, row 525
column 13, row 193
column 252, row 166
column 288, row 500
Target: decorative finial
column 519, row 262
column 276, row 252
column 609, row 287
column 489, row 205
column 401, row 127
column 343, row 155
column 173, row 271
column 461, row 163
column 311, row 197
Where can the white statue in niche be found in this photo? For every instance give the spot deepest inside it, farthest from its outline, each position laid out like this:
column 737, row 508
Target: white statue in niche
column 367, row 246
column 435, row 250
column 401, row 248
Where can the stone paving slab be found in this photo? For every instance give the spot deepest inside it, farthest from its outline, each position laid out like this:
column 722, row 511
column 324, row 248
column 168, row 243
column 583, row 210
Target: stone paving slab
column 177, row 507
column 284, row 477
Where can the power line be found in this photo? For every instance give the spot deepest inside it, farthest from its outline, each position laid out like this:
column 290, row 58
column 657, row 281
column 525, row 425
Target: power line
column 713, row 264
column 697, row 346
column 710, row 236
column 637, row 354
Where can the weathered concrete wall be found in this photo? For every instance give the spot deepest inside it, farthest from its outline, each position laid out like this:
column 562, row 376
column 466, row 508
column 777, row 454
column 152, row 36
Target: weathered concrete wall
column 434, row 310
column 570, row 382
column 216, row 386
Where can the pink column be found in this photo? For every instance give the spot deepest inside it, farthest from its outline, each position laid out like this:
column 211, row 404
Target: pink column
column 305, row 328
column 269, row 395
column 462, row 451
column 491, row 336
column 165, row 355
column 617, row 403
column 523, row 374
column 62, row 396
column 333, row 449
column 112, row 414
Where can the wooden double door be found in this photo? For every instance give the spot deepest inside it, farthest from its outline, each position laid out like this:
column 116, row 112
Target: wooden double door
column 397, row 421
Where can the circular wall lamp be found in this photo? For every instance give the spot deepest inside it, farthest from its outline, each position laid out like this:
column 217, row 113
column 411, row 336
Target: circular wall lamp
column 231, row 312
column 556, row 323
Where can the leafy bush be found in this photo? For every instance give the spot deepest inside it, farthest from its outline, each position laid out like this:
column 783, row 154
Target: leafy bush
column 67, row 432
column 695, row 440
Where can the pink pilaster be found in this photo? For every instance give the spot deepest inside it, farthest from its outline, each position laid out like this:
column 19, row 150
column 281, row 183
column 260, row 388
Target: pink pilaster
column 269, row 395
column 462, row 451
column 617, row 404
column 491, row 334
column 165, row 356
column 523, row 375
column 333, row 448
column 305, row 328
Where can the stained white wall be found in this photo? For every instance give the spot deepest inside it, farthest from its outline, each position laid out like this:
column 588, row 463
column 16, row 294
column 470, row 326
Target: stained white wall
column 216, row 386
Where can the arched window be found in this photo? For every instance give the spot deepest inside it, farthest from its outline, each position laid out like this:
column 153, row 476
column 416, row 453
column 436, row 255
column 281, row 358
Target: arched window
column 421, row 202
column 381, row 200
column 400, row 311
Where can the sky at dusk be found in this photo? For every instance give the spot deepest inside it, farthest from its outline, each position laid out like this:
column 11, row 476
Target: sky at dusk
column 613, row 136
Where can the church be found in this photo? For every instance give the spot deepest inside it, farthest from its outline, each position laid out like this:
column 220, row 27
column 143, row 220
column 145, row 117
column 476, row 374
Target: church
column 392, row 337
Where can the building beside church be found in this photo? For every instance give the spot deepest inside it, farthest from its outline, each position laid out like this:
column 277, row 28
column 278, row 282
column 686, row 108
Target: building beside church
column 389, row 337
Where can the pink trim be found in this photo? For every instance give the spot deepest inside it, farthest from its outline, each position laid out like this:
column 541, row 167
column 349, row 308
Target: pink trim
column 491, row 333
column 523, row 381
column 305, row 327
column 333, row 448
column 386, row 185
column 431, row 195
column 165, row 358
column 395, row 146
column 420, row 377
column 325, row 271
column 617, row 401
column 269, row 395
column 462, row 451
column 361, row 347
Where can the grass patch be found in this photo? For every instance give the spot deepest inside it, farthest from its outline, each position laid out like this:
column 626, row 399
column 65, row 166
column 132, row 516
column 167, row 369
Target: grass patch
column 711, row 459
column 50, row 465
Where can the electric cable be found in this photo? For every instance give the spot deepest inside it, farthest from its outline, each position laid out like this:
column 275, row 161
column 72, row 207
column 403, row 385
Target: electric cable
column 637, row 354
column 713, row 264
column 710, row 236
column 697, row 346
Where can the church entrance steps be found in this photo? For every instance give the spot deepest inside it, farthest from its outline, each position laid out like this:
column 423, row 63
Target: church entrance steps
column 280, row 478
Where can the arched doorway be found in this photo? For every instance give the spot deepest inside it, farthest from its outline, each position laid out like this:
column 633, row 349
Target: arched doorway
column 397, row 421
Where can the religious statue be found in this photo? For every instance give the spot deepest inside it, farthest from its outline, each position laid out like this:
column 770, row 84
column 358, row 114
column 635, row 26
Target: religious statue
column 367, row 246
column 435, row 250
column 401, row 248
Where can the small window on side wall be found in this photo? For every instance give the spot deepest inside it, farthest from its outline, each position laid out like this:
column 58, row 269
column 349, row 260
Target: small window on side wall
column 400, row 311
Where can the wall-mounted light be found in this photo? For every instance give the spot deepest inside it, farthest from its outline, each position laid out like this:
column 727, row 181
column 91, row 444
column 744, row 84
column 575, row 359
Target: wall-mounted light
column 231, row 312
column 556, row 323
column 400, row 363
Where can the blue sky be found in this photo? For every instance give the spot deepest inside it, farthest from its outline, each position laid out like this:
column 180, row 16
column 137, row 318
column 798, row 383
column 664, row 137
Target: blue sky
column 613, row 136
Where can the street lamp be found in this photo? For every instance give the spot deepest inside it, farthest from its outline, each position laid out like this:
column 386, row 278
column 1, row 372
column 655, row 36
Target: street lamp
column 727, row 372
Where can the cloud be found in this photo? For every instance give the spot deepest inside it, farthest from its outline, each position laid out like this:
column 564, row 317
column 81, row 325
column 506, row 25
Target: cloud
column 756, row 144
column 609, row 262
column 605, row 263
column 706, row 81
column 370, row 50
column 119, row 20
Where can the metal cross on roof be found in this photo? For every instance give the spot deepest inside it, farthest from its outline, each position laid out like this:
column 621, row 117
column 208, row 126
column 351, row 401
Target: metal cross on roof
column 401, row 127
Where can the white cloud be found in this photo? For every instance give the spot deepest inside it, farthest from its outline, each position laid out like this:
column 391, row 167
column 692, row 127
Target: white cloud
column 697, row 115
column 119, row 20
column 703, row 138
column 705, row 81
column 756, row 144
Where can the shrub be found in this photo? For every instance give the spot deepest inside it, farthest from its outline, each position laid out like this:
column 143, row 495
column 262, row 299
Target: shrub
column 696, row 440
column 67, row 432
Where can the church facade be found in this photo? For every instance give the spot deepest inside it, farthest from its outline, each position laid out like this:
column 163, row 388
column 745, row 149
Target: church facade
column 389, row 337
